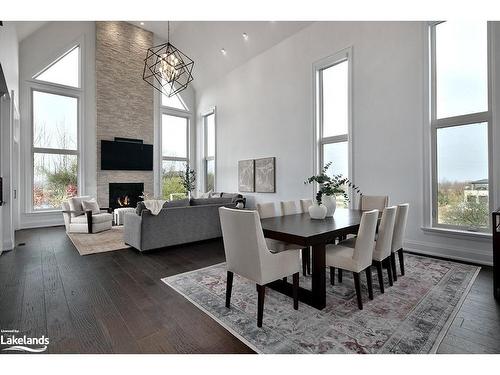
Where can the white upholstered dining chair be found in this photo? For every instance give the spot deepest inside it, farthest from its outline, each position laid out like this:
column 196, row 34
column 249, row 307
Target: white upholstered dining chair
column 305, row 204
column 266, row 210
column 383, row 245
column 290, row 208
column 398, row 238
column 247, row 255
column 358, row 258
column 373, row 202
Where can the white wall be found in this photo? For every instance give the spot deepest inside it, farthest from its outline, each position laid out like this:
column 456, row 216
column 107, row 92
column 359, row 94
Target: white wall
column 264, row 108
column 35, row 52
column 9, row 59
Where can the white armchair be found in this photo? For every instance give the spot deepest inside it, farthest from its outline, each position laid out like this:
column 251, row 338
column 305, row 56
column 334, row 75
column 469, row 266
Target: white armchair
column 247, row 255
column 80, row 220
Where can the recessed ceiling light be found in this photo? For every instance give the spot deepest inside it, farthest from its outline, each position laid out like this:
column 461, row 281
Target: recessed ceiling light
column 223, row 51
column 245, row 36
column 142, row 23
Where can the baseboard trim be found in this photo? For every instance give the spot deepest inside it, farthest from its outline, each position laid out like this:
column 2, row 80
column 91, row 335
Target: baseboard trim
column 8, row 245
column 449, row 252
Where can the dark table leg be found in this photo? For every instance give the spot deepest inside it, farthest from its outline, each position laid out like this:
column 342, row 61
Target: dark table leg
column 318, row 276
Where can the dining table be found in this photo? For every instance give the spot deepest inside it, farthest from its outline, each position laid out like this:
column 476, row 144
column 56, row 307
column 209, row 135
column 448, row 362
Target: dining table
column 301, row 229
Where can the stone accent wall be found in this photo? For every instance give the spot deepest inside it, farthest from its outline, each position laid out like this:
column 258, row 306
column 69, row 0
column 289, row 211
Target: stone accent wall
column 124, row 102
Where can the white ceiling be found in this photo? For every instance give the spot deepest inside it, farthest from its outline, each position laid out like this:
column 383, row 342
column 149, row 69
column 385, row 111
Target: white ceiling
column 202, row 41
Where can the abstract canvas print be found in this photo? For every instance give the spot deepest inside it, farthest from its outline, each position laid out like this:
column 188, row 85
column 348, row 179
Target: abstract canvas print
column 246, row 176
column 265, row 175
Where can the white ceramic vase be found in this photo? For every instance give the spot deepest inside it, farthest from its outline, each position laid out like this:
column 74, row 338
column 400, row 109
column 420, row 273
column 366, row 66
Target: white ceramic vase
column 330, row 201
column 317, row 211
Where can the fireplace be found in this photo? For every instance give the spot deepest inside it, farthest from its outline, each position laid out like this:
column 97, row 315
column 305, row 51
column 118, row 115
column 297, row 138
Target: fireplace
column 125, row 194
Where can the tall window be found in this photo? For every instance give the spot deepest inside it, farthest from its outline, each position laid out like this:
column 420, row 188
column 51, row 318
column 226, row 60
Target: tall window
column 55, row 100
column 459, row 125
column 209, row 161
column 333, row 114
column 175, row 155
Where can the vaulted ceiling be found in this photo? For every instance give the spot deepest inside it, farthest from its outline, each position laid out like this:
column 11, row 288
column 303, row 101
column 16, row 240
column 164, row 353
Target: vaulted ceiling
column 203, row 40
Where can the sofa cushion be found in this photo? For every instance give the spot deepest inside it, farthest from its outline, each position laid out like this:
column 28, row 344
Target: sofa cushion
column 176, row 203
column 96, row 219
column 210, row 201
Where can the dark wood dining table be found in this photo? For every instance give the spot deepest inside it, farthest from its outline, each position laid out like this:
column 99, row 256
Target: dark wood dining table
column 300, row 229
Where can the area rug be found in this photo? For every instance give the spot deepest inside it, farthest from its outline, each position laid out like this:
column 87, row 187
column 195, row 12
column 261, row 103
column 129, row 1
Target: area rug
column 412, row 316
column 109, row 240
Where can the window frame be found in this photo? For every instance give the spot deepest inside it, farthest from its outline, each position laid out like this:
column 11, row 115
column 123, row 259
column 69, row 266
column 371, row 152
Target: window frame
column 344, row 55
column 207, row 158
column 33, row 85
column 434, row 124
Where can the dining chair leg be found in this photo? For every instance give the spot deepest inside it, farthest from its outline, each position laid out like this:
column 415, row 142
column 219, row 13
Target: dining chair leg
column 393, row 266
column 389, row 270
column 229, row 288
column 369, row 282
column 304, row 262
column 261, row 292
column 357, row 285
column 332, row 275
column 285, row 280
column 296, row 291
column 380, row 276
column 340, row 275
column 401, row 262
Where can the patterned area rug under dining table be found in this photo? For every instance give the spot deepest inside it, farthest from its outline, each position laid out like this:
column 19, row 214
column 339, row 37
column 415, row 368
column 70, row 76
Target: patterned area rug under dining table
column 410, row 317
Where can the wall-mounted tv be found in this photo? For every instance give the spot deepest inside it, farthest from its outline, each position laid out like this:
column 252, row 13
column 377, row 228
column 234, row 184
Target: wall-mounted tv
column 125, row 154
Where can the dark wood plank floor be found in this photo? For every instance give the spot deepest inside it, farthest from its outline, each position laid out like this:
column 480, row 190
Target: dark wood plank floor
column 116, row 303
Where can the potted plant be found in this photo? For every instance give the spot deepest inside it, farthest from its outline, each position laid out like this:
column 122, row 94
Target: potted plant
column 330, row 187
column 189, row 180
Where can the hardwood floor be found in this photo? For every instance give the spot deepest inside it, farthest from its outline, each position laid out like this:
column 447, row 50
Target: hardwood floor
column 116, row 303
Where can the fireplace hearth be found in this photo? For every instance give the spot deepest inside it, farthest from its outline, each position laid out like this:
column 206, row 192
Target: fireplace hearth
column 125, row 194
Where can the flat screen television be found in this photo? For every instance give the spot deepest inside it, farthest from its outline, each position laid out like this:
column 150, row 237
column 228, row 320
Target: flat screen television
column 126, row 155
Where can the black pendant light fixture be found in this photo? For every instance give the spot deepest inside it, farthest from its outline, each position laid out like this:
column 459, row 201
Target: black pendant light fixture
column 167, row 69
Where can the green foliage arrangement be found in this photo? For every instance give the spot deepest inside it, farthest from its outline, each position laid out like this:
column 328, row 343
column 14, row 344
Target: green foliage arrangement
column 334, row 185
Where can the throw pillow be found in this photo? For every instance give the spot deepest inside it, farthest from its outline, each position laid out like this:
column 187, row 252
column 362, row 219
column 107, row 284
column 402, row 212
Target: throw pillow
column 75, row 204
column 92, row 206
column 206, row 195
column 140, row 207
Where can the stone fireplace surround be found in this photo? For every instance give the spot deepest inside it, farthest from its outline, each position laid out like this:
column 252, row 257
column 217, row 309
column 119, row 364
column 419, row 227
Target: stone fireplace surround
column 124, row 102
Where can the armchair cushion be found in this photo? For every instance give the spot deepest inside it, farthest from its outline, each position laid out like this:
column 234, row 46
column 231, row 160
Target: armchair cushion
column 75, row 204
column 96, row 219
column 91, row 205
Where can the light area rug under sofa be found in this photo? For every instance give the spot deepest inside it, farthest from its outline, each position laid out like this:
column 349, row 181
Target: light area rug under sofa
column 94, row 243
column 412, row 316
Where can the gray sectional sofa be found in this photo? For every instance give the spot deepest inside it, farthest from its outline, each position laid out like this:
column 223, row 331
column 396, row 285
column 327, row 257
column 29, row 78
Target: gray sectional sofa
column 178, row 222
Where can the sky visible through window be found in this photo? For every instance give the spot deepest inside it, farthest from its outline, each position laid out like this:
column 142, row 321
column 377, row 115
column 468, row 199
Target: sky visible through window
column 462, row 153
column 65, row 71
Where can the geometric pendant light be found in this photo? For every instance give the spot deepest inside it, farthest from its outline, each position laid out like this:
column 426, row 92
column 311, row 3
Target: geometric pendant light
column 167, row 69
